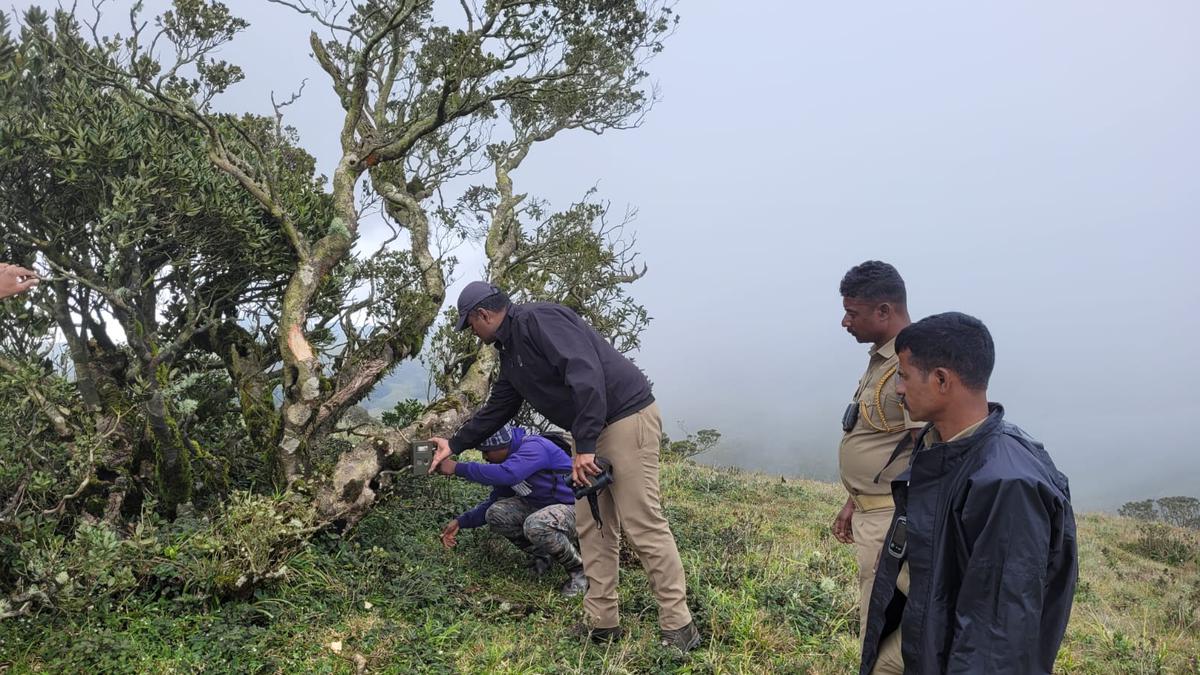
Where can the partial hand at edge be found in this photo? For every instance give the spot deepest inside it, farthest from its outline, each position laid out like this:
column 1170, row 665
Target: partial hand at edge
column 15, row 279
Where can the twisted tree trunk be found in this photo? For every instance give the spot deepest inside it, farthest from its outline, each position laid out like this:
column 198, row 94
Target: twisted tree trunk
column 353, row 488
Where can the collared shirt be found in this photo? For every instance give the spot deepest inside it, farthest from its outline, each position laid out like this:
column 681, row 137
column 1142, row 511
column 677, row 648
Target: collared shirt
column 932, row 436
column 866, row 448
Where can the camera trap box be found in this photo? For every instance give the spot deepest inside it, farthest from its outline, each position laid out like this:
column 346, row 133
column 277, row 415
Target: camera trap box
column 422, row 457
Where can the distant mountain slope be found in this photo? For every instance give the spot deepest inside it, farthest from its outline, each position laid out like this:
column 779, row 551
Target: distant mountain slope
column 409, row 380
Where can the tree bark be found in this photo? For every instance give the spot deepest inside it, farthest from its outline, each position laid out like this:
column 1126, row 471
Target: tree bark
column 85, row 377
column 172, row 453
column 302, row 370
column 353, row 488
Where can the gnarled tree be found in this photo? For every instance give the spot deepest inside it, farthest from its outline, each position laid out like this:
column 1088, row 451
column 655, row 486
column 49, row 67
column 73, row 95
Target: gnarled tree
column 158, row 261
column 425, row 102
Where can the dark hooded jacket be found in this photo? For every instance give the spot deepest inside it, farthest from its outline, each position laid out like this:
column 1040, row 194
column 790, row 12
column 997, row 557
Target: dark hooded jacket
column 565, row 369
column 991, row 557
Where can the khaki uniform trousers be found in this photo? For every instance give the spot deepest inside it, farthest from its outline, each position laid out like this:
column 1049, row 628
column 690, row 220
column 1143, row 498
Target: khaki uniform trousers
column 869, row 529
column 632, row 504
column 890, row 660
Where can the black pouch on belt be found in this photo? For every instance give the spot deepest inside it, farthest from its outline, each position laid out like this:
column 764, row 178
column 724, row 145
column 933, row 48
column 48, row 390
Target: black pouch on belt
column 850, row 417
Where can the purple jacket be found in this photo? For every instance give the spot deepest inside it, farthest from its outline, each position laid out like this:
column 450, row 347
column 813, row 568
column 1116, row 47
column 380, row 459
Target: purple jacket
column 532, row 462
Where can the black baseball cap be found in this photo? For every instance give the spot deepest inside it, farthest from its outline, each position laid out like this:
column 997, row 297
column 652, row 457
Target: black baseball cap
column 475, row 293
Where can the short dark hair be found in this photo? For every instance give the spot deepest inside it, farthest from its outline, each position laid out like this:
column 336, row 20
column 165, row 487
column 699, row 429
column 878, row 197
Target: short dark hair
column 954, row 341
column 494, row 302
column 874, row 280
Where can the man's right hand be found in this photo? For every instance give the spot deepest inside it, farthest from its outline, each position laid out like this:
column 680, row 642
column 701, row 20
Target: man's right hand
column 583, row 467
column 449, row 533
column 842, row 530
column 443, row 451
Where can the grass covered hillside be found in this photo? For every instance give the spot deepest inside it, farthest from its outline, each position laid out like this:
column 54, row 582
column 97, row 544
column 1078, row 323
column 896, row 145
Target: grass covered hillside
column 771, row 590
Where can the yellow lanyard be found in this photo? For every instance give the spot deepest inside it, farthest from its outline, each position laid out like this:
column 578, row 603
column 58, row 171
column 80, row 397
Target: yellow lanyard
column 865, row 411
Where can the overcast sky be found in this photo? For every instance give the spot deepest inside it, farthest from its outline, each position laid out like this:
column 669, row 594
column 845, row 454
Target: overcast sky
column 1034, row 164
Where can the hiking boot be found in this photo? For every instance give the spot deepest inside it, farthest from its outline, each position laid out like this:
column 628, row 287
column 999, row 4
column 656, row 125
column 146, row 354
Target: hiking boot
column 684, row 639
column 597, row 635
column 538, row 565
column 576, row 584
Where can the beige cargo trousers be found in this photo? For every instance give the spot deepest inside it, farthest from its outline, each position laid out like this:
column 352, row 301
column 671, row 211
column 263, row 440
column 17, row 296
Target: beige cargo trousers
column 631, row 505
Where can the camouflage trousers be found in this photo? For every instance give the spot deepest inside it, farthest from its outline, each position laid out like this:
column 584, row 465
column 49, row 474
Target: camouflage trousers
column 545, row 532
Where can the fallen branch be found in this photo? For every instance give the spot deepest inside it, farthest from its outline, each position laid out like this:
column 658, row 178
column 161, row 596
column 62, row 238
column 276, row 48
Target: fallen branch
column 62, row 503
column 27, row 599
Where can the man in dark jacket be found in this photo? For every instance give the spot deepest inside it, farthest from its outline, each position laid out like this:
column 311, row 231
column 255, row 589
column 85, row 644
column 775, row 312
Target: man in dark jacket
column 530, row 504
column 570, row 374
column 978, row 569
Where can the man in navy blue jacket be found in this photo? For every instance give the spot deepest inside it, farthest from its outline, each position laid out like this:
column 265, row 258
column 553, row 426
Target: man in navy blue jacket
column 531, row 504
column 978, row 569
column 553, row 360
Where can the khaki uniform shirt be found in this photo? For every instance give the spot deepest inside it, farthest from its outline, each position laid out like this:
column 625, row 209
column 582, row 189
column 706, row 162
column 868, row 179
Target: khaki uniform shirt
column 932, row 437
column 866, row 448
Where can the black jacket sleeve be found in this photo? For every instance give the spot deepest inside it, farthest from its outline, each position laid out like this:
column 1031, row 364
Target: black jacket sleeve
column 1007, row 524
column 568, row 346
column 502, row 405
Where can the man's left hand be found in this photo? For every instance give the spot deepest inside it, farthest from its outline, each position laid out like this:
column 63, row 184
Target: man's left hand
column 446, row 467
column 583, row 467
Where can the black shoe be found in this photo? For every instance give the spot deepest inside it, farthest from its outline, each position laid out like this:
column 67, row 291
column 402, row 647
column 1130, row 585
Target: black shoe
column 684, row 639
column 597, row 635
column 538, row 565
column 577, row 584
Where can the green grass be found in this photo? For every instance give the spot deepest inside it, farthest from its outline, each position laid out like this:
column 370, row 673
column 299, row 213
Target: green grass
column 770, row 588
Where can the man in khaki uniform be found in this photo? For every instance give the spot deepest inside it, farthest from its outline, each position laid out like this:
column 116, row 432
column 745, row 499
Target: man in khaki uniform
column 877, row 443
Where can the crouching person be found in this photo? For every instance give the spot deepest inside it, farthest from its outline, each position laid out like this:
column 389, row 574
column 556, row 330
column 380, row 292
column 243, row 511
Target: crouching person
column 531, row 504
